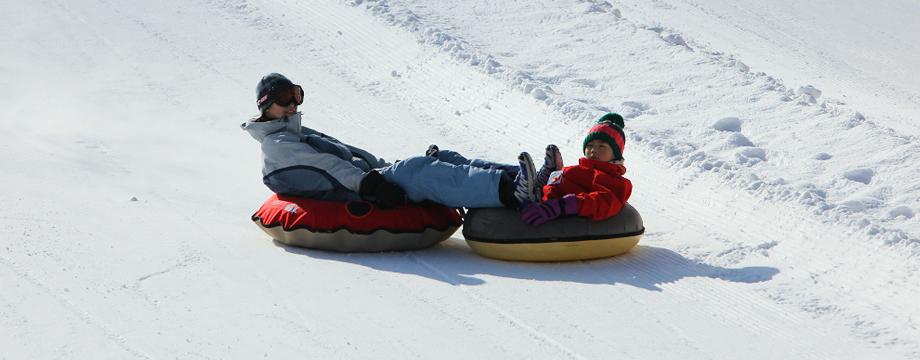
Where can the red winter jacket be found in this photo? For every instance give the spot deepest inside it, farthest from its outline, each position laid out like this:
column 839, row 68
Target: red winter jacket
column 599, row 186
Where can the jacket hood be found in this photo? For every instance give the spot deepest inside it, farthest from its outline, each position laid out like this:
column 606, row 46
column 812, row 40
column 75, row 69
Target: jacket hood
column 261, row 129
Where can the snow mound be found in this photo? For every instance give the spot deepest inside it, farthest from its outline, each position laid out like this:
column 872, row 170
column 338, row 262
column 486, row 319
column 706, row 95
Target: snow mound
column 732, row 124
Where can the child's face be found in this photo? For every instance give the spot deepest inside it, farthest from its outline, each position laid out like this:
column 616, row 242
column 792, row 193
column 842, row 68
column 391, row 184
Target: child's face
column 599, row 150
column 276, row 111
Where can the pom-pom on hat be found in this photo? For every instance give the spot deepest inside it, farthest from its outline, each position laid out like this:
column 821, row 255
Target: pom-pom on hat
column 609, row 129
column 614, row 118
column 266, row 85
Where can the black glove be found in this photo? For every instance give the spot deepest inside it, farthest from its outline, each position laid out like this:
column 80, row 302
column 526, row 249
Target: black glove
column 377, row 190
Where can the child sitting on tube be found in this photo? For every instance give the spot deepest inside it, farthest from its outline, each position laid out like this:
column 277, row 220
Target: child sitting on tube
column 595, row 188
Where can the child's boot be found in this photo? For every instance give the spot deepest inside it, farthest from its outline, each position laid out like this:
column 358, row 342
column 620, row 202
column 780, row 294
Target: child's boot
column 524, row 182
column 432, row 151
column 551, row 162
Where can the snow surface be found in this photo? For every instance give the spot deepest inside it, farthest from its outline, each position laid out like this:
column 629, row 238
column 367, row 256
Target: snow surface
column 772, row 146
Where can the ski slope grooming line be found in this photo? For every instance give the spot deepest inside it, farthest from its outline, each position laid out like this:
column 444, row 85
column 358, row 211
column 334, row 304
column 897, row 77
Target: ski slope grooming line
column 662, row 126
column 175, row 265
column 498, row 309
column 905, row 245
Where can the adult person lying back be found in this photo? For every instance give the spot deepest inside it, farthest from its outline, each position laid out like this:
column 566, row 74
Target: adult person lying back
column 300, row 161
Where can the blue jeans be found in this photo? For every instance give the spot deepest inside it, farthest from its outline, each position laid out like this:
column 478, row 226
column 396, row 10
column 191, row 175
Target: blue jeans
column 451, row 179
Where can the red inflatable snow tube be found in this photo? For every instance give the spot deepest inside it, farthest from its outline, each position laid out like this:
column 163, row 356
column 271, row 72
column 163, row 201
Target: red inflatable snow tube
column 355, row 226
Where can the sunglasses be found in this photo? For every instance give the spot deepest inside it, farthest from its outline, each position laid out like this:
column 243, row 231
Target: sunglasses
column 285, row 96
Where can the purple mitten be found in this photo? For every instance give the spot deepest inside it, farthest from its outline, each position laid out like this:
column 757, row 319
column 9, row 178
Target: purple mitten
column 538, row 213
column 571, row 204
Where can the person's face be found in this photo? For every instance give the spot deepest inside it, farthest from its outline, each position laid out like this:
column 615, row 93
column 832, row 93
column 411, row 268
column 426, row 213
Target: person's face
column 284, row 102
column 276, row 111
column 599, row 150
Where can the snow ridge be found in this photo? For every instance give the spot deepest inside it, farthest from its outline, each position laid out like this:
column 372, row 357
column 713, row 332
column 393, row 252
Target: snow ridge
column 135, row 241
column 463, row 52
column 691, row 125
column 846, row 193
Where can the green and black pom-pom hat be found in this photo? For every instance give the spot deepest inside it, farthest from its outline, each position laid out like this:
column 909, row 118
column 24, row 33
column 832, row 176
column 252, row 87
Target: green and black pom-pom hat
column 609, row 129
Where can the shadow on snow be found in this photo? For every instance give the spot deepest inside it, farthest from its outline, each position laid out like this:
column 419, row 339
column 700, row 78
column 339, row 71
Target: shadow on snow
column 453, row 262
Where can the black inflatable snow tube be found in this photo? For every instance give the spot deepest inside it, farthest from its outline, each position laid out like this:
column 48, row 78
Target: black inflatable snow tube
column 500, row 233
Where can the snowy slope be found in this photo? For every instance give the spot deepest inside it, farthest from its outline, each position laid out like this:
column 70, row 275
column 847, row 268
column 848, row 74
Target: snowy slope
column 861, row 54
column 780, row 223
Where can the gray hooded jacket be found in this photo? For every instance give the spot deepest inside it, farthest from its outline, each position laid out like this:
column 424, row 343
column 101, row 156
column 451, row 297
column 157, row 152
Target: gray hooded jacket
column 304, row 162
